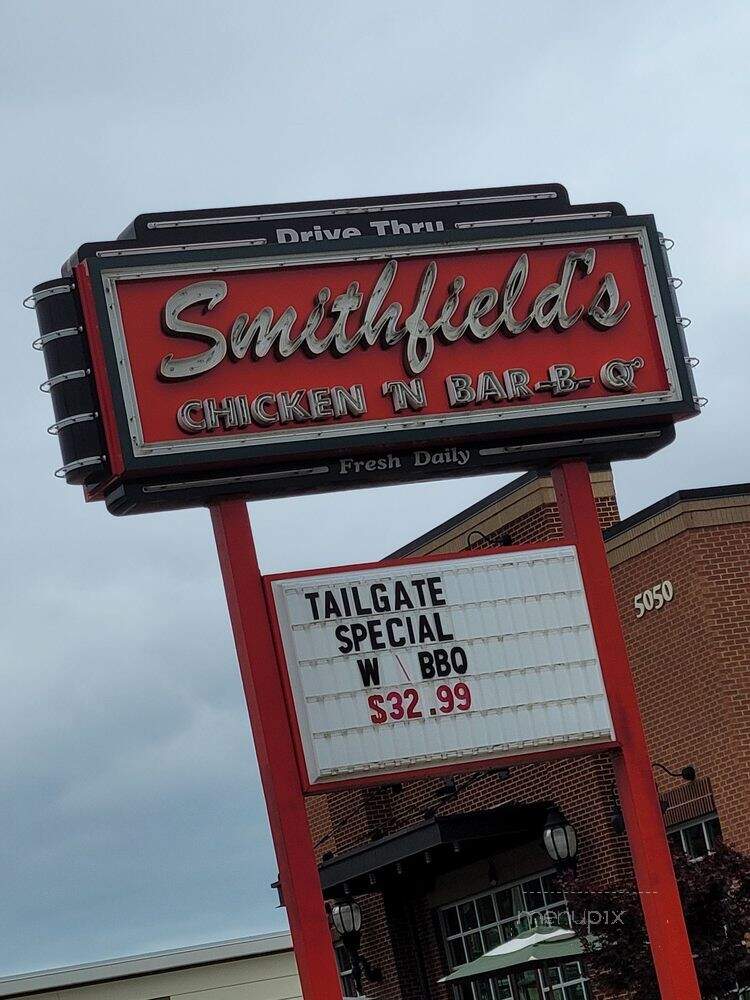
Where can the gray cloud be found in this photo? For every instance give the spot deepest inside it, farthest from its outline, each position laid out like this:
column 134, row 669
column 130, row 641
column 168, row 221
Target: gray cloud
column 132, row 816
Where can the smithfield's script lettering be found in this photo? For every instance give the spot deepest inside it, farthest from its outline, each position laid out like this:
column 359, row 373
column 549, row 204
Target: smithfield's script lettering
column 263, row 333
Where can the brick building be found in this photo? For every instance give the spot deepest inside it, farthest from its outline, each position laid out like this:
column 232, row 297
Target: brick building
column 442, row 869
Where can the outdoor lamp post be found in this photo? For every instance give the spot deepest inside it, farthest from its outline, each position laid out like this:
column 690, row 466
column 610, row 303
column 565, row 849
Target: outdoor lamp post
column 560, row 839
column 346, row 917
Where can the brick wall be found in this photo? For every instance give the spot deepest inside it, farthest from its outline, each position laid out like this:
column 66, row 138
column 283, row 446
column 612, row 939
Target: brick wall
column 690, row 661
column 541, row 524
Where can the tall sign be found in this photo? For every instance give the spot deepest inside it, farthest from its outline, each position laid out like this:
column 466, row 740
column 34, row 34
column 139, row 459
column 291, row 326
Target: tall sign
column 212, row 357
column 269, row 354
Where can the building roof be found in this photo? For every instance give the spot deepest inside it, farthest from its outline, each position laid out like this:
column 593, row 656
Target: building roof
column 707, row 493
column 142, row 965
column 464, row 515
column 680, row 496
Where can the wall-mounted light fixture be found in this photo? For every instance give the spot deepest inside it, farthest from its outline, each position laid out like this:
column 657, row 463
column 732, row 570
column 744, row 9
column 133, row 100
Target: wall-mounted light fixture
column 476, row 538
column 688, row 773
column 346, row 917
column 560, row 838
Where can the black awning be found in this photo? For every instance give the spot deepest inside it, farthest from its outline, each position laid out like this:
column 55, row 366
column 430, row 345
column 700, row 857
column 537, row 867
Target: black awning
column 437, row 844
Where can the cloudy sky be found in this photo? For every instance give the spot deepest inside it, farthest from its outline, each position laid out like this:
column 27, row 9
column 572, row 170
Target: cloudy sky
column 131, row 813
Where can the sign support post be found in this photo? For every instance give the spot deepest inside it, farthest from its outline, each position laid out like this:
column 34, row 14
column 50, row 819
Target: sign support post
column 279, row 773
column 652, row 862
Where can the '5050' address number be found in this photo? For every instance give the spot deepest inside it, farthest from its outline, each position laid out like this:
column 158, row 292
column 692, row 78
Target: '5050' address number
column 654, row 598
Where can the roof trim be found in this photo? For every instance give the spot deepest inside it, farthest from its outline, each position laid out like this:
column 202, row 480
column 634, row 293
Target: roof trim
column 536, row 478
column 131, row 966
column 680, row 496
column 728, row 491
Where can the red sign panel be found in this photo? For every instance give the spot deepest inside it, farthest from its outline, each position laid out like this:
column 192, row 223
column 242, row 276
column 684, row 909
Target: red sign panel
column 307, row 352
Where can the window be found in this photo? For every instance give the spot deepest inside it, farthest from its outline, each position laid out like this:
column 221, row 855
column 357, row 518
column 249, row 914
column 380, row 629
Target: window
column 472, row 926
column 346, row 972
column 567, row 982
column 696, row 838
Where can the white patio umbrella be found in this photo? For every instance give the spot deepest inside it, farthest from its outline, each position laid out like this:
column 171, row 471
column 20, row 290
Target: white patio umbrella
column 534, row 947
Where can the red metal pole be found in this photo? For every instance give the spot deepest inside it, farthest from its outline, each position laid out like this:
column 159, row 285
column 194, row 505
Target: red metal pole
column 662, row 909
column 298, row 871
